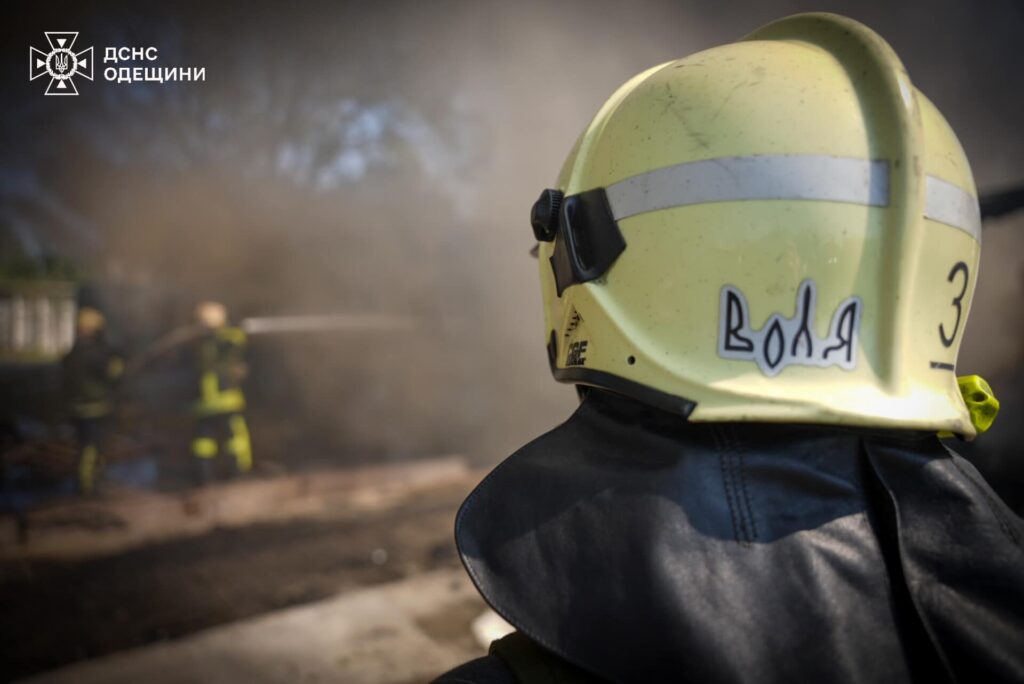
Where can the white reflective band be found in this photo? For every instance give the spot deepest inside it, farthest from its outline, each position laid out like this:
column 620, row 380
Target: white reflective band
column 952, row 205
column 785, row 177
column 769, row 177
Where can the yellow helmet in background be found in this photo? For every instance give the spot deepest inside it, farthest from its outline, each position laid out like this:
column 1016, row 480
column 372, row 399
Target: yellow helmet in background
column 89, row 321
column 779, row 229
column 211, row 315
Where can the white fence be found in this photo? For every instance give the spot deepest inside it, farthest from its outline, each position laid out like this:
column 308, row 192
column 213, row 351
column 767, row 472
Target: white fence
column 37, row 320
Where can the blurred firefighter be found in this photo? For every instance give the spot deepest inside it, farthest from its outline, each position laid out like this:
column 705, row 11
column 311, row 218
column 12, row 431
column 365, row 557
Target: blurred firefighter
column 221, row 368
column 90, row 373
column 756, row 266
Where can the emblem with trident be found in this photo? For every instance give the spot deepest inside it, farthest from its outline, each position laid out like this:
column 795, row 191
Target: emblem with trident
column 61, row 63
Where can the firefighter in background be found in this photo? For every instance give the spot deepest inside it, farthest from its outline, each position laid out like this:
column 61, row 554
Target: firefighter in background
column 220, row 423
column 90, row 373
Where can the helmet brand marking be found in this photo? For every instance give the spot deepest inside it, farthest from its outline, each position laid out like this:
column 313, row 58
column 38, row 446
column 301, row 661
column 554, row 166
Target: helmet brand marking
column 576, row 354
column 574, row 323
column 782, row 341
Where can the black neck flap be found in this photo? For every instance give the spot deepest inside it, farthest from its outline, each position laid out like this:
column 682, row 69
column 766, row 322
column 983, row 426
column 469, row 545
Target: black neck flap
column 642, row 547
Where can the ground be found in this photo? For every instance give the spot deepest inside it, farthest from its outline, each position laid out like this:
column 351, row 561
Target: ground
column 312, row 541
column 395, row 633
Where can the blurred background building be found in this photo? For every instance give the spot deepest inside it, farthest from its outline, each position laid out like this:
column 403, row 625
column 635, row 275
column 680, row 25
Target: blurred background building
column 367, row 162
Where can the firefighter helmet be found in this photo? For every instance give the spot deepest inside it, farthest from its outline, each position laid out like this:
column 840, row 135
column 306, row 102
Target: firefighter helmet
column 89, row 321
column 778, row 229
column 212, row 315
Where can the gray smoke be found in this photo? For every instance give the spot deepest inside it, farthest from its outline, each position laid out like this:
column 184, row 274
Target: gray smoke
column 382, row 158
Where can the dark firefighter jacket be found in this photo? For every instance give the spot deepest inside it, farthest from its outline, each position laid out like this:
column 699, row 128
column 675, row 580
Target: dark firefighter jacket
column 89, row 373
column 633, row 545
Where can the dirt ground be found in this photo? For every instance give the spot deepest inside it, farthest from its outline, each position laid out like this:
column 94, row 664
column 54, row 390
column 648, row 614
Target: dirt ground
column 60, row 611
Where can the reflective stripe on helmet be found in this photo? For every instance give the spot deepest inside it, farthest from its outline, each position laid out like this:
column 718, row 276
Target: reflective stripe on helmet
column 784, row 177
column 759, row 177
column 952, row 205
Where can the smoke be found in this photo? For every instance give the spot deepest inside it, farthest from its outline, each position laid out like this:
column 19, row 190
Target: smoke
column 381, row 159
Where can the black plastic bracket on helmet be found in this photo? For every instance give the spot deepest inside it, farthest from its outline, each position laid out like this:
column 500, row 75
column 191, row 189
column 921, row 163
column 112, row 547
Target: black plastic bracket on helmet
column 587, row 237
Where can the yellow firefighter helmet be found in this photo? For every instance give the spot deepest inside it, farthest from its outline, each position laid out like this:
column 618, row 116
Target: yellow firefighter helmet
column 779, row 229
column 212, row 315
column 89, row 321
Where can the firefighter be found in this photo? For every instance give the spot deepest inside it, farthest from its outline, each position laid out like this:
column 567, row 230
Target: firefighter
column 756, row 267
column 90, row 373
column 219, row 418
